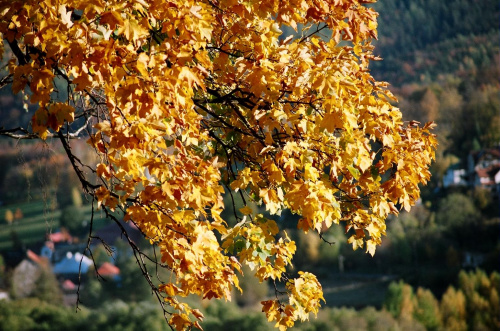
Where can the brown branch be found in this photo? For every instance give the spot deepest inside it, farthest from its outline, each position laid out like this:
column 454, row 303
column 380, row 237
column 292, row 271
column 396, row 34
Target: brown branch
column 138, row 254
column 88, row 187
column 6, row 80
column 87, row 249
column 14, row 46
column 318, row 29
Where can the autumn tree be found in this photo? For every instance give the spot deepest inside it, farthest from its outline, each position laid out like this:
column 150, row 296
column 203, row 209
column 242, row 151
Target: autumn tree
column 184, row 100
column 9, row 216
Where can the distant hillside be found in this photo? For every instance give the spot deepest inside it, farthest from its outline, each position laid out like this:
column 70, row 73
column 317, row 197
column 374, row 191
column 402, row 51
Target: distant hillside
column 422, row 39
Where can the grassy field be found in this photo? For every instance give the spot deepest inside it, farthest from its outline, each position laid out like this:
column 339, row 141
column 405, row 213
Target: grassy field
column 37, row 222
column 372, row 292
column 32, row 208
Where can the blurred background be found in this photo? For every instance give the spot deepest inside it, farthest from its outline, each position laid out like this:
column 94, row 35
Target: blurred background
column 436, row 270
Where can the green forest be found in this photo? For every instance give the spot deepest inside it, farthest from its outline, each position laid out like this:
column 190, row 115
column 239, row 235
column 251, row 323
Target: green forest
column 438, row 266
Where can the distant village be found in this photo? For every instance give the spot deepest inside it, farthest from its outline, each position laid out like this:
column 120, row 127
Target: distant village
column 62, row 255
column 483, row 170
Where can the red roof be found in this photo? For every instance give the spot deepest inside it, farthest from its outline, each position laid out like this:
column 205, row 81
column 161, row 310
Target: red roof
column 107, row 269
column 56, row 237
column 487, row 175
column 61, row 236
column 68, row 285
column 35, row 258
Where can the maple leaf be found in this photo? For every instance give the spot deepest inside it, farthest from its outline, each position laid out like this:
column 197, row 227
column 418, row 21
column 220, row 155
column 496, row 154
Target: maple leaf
column 246, row 210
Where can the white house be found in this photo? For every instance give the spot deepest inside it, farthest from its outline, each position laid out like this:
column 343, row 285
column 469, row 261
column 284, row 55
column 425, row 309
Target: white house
column 454, row 177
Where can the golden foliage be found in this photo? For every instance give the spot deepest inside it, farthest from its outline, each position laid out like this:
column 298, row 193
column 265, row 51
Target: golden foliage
column 185, row 97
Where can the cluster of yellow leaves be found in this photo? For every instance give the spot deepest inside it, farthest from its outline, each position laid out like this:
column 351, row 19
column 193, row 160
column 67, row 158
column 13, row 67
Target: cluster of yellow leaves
column 255, row 243
column 52, row 117
column 304, row 298
column 183, row 93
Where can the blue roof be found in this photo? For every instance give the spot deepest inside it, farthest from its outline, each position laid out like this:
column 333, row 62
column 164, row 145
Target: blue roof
column 71, row 264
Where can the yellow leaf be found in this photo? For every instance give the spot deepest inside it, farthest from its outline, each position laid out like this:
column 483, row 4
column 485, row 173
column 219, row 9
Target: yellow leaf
column 142, row 64
column 371, row 247
column 246, row 210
